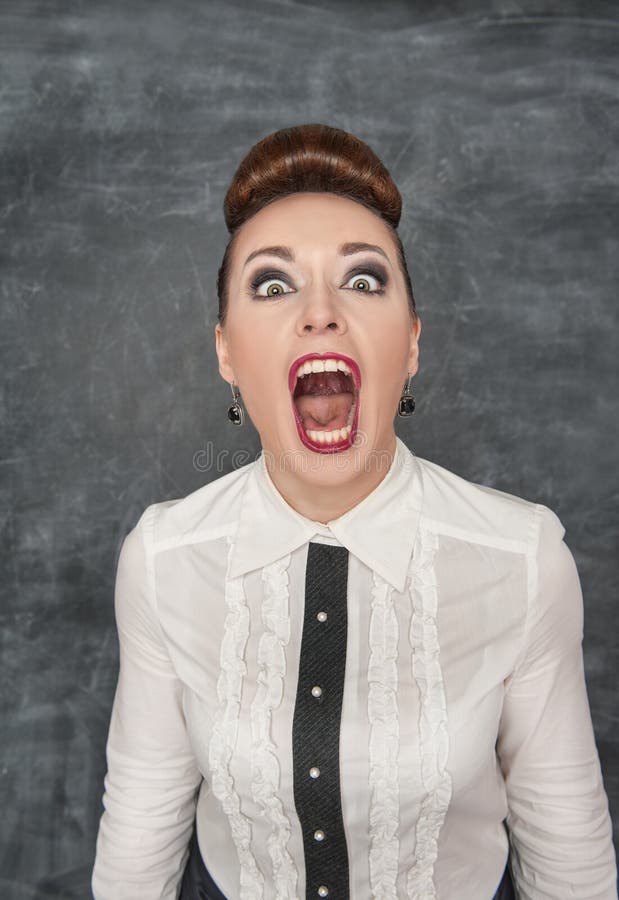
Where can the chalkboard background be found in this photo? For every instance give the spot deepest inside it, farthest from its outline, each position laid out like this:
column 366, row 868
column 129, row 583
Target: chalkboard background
column 121, row 124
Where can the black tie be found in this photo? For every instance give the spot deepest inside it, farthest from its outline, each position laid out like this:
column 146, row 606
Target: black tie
column 316, row 724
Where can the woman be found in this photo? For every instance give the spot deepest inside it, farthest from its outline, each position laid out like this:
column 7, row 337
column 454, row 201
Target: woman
column 358, row 674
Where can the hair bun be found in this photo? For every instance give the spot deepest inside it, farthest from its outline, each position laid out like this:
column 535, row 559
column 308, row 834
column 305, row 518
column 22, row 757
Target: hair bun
column 310, row 158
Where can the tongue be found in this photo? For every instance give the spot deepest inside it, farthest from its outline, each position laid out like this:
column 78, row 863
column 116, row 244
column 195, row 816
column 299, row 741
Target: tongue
column 323, row 400
column 324, row 411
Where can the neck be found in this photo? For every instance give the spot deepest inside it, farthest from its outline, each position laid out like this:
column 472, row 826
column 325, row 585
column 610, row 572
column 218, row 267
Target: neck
column 325, row 502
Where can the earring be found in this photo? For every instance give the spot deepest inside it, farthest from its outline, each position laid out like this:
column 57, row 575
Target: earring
column 406, row 406
column 235, row 410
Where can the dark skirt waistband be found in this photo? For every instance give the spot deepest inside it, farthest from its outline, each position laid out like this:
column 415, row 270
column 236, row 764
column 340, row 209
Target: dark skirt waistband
column 198, row 884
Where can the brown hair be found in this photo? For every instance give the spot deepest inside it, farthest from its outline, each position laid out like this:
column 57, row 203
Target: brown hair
column 316, row 158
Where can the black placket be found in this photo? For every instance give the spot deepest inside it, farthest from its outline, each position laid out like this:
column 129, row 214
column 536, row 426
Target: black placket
column 316, row 723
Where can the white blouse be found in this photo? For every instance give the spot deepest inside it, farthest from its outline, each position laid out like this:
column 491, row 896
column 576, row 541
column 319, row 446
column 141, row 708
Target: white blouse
column 464, row 696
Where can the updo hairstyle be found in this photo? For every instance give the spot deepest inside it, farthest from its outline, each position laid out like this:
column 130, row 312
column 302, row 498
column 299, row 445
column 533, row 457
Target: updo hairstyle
column 315, row 158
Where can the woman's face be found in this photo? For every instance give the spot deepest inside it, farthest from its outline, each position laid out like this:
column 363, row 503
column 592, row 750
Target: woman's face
column 318, row 275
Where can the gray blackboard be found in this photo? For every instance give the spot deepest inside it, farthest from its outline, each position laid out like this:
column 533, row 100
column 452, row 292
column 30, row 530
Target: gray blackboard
column 121, row 124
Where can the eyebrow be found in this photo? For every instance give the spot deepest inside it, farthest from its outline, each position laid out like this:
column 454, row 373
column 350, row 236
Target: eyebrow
column 286, row 253
column 359, row 247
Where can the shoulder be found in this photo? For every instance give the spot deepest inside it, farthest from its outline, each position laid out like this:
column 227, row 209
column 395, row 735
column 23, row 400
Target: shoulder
column 463, row 509
column 207, row 513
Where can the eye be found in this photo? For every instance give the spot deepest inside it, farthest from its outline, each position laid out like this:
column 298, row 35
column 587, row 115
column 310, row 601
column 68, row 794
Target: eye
column 363, row 283
column 367, row 281
column 270, row 284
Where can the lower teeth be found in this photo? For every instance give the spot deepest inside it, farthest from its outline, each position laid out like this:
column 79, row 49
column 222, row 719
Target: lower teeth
column 329, row 437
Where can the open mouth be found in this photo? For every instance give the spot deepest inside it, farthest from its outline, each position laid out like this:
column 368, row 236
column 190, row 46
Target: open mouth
column 325, row 399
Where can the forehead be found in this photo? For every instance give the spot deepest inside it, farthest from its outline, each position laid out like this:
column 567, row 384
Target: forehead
column 313, row 220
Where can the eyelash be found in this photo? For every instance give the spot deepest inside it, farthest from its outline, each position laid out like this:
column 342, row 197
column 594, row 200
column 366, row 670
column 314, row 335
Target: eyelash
column 374, row 271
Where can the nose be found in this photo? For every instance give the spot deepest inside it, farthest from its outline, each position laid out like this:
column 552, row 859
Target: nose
column 321, row 314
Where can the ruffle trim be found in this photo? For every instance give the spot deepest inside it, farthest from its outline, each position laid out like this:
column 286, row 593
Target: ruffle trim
column 384, row 742
column 434, row 736
column 225, row 729
column 265, row 769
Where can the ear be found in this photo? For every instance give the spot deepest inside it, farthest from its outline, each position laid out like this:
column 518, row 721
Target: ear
column 413, row 356
column 223, row 354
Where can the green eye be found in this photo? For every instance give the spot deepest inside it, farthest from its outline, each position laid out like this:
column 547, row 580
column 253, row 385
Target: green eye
column 274, row 289
column 270, row 287
column 366, row 283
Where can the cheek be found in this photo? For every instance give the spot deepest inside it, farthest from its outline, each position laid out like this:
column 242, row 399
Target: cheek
column 248, row 346
column 390, row 349
column 258, row 369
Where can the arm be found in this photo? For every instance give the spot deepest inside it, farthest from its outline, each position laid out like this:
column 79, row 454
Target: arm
column 150, row 787
column 558, row 818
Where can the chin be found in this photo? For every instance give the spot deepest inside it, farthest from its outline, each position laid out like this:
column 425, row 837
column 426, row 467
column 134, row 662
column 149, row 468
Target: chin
column 345, row 465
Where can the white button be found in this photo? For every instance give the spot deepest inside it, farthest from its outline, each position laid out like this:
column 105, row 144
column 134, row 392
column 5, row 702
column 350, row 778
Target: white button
column 314, row 772
column 316, row 691
column 322, row 617
column 319, row 835
column 323, row 891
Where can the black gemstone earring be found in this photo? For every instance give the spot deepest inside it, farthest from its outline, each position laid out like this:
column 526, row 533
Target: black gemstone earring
column 406, row 407
column 235, row 410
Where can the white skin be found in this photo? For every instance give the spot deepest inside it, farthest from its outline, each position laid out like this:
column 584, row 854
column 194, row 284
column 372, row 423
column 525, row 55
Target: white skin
column 318, row 306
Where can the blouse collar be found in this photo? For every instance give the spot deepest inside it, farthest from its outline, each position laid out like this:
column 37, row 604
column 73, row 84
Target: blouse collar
column 380, row 530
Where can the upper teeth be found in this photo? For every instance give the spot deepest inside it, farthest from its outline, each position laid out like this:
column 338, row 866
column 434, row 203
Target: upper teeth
column 323, row 365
